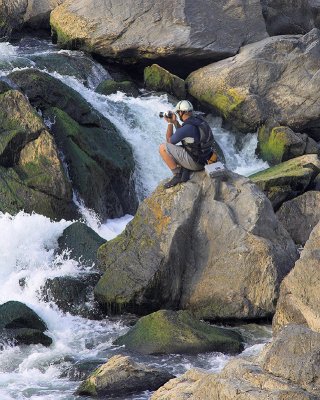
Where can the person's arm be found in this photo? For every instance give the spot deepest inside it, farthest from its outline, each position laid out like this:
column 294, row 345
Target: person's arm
column 172, row 122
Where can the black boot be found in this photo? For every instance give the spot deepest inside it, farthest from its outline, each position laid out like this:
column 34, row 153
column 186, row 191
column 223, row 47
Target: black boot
column 174, row 181
column 185, row 176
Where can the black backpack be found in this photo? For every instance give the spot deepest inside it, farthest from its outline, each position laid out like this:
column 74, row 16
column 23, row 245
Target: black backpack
column 202, row 151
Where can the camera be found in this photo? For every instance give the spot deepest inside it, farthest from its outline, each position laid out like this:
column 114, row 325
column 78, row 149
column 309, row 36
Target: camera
column 167, row 114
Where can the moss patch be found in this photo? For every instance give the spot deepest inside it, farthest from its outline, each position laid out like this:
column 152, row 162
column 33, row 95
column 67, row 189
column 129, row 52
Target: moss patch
column 178, row 332
column 108, row 87
column 158, row 79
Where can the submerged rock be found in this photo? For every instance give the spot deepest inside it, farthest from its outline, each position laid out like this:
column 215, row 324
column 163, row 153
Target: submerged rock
column 157, row 30
column 100, row 162
column 120, row 376
column 288, row 369
column 32, row 175
column 21, row 325
column 158, row 79
column 165, row 332
column 299, row 301
column 211, row 246
column 263, row 80
column 300, row 215
column 82, row 242
column 289, row 179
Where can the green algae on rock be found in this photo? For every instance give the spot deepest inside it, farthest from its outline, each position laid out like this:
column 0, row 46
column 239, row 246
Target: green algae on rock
column 288, row 179
column 277, row 144
column 165, row 332
column 109, row 86
column 32, row 175
column 159, row 79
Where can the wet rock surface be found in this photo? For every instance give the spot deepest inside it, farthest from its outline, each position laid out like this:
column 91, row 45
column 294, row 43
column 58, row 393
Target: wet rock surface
column 100, row 163
column 32, row 175
column 82, row 242
column 21, row 325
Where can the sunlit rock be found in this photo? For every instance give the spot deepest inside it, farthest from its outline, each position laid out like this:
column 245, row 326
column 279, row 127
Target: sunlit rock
column 213, row 246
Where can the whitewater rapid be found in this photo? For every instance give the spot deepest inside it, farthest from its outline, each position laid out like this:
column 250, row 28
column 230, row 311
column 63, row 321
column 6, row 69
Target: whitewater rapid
column 28, row 243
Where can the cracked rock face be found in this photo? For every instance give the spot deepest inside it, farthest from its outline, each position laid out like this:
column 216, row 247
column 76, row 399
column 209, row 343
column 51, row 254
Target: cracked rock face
column 299, row 301
column 153, row 29
column 210, row 246
column 278, row 77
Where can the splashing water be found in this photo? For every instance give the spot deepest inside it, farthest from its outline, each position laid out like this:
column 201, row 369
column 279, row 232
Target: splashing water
column 28, row 243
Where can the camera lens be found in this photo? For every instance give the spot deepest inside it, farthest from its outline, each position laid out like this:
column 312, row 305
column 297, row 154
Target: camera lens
column 161, row 114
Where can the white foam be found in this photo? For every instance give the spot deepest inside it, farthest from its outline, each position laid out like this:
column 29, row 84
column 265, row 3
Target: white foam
column 7, row 50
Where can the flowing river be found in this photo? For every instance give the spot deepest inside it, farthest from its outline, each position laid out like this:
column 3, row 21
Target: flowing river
column 28, row 242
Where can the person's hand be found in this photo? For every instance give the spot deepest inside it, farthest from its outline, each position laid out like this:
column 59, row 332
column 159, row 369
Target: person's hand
column 173, row 118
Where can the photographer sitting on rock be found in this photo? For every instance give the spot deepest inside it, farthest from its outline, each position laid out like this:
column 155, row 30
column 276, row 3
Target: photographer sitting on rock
column 197, row 143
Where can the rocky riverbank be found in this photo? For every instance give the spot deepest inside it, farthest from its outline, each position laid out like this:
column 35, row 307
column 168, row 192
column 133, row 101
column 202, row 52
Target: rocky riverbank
column 221, row 249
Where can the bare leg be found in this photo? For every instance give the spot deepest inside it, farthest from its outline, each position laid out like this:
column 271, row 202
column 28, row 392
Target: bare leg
column 167, row 158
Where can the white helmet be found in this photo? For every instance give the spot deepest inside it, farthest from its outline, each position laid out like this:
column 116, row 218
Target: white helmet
column 184, row 105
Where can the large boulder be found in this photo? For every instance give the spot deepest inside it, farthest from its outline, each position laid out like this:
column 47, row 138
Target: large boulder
column 100, row 162
column 32, row 175
column 25, row 13
column 191, row 31
column 166, row 332
column 299, row 301
column 288, row 369
column 289, row 179
column 211, row 246
column 265, row 79
column 21, row 325
column 300, row 215
column 122, row 376
column 290, row 17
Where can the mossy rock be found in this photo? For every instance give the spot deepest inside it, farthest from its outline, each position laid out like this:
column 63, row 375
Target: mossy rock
column 159, row 79
column 165, row 332
column 279, row 144
column 289, row 179
column 100, row 165
column 32, row 176
column 82, row 242
column 109, row 86
column 45, row 91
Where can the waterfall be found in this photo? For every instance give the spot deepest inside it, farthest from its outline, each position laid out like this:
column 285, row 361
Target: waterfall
column 28, row 243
